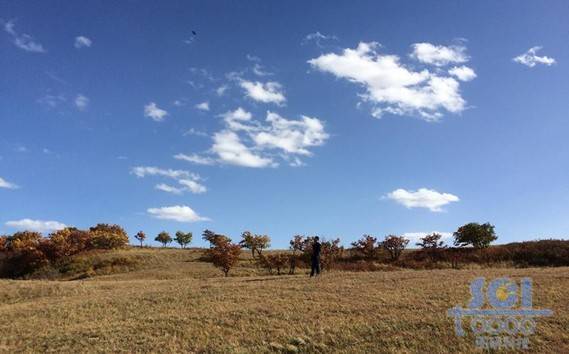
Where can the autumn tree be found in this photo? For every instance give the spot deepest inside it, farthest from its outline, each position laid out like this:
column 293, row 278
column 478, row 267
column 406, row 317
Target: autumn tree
column 24, row 253
column 256, row 243
column 164, row 238
column 224, row 255
column 394, row 245
column 183, row 238
column 366, row 246
column 67, row 242
column 431, row 241
column 106, row 236
column 475, row 234
column 297, row 245
column 331, row 251
column 140, row 236
column 277, row 261
column 214, row 238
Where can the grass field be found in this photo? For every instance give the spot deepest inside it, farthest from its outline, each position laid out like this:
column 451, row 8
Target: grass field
column 175, row 302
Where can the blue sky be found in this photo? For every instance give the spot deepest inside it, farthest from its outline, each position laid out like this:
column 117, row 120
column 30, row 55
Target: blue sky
column 392, row 117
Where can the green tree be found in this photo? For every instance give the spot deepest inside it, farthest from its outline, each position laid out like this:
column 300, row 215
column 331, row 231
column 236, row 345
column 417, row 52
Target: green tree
column 164, row 238
column 140, row 236
column 475, row 234
column 183, row 238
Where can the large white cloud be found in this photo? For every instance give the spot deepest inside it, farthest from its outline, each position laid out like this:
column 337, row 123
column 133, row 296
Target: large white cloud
column 392, row 87
column 35, row 225
column 269, row 92
column 422, row 198
column 22, row 40
column 152, row 111
column 252, row 143
column 439, row 55
column 531, row 59
column 6, row 184
column 180, row 213
column 291, row 136
column 228, row 147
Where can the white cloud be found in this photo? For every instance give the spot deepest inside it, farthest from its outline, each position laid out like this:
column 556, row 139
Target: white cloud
column 463, row 73
column 229, row 148
column 22, row 40
column 221, row 90
column 422, row 198
column 143, row 171
column 193, row 186
column 180, row 213
column 318, row 38
column 195, row 158
column 292, row 136
column 531, row 59
column 204, row 106
column 439, row 55
column 81, row 102
column 168, row 188
column 189, row 181
column 82, row 41
column 392, row 87
column 415, row 237
column 36, row 225
column 7, row 185
column 269, row 92
column 152, row 111
column 250, row 143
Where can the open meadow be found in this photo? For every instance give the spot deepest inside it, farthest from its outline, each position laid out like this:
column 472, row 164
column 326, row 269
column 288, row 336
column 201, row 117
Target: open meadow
column 171, row 300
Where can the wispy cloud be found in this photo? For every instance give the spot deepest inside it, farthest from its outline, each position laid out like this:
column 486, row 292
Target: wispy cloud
column 82, row 42
column 155, row 113
column 7, row 185
column 81, row 102
column 531, row 59
column 318, row 38
column 187, row 181
column 23, row 41
column 203, row 106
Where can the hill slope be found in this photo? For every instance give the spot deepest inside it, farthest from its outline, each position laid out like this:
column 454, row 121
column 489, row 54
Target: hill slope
column 175, row 302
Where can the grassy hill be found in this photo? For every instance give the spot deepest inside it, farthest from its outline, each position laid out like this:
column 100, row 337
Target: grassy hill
column 171, row 300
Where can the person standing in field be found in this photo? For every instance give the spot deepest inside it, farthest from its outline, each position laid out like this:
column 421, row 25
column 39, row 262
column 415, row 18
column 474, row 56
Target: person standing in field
column 315, row 257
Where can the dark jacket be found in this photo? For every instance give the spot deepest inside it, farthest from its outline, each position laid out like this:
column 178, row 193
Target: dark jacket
column 316, row 248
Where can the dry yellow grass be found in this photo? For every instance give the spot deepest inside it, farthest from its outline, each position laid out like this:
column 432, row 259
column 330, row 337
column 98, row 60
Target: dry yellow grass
column 175, row 303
